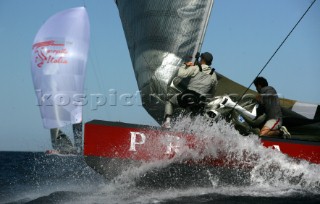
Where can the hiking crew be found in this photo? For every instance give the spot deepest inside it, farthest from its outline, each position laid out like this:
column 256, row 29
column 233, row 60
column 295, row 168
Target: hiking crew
column 269, row 100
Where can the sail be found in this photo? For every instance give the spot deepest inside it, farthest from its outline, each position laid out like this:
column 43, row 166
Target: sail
column 58, row 63
column 161, row 35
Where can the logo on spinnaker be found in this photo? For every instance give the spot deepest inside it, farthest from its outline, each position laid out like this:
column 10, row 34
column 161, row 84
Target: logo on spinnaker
column 50, row 52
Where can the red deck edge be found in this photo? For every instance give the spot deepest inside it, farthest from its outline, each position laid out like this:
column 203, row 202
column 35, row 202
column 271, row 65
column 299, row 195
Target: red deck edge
column 138, row 142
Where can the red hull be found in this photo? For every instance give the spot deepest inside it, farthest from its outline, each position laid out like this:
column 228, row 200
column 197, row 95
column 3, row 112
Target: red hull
column 113, row 140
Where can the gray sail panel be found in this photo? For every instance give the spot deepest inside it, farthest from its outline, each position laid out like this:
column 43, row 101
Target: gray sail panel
column 160, row 36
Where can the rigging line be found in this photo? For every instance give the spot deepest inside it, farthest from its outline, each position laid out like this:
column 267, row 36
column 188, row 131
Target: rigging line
column 205, row 25
column 94, row 61
column 96, row 72
column 274, row 53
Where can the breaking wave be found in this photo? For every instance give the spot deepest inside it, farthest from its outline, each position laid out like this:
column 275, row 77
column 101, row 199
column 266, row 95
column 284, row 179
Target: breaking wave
column 258, row 172
column 255, row 173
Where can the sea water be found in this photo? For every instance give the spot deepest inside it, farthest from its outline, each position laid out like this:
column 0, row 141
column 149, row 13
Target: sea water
column 27, row 177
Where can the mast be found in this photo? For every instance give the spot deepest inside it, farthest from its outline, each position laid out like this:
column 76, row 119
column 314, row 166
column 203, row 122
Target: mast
column 204, row 29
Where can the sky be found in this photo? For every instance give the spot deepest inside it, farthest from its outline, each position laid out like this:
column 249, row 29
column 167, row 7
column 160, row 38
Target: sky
column 242, row 35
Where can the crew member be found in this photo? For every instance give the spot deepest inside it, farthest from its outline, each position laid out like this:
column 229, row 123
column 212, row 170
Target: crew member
column 202, row 80
column 269, row 100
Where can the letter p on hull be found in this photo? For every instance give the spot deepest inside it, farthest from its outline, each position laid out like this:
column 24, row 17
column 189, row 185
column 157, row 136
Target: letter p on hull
column 134, row 140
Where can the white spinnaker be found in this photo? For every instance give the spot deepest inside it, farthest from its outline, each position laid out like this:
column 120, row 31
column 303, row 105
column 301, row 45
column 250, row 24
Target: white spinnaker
column 58, row 63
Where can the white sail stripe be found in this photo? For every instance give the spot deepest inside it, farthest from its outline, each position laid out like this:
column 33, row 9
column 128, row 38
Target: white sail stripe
column 305, row 109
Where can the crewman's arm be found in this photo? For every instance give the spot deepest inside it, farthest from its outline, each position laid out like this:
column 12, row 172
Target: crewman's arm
column 186, row 70
column 259, row 98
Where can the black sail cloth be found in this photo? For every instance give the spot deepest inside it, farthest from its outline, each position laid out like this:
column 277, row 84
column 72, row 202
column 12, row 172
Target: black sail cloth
column 161, row 35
